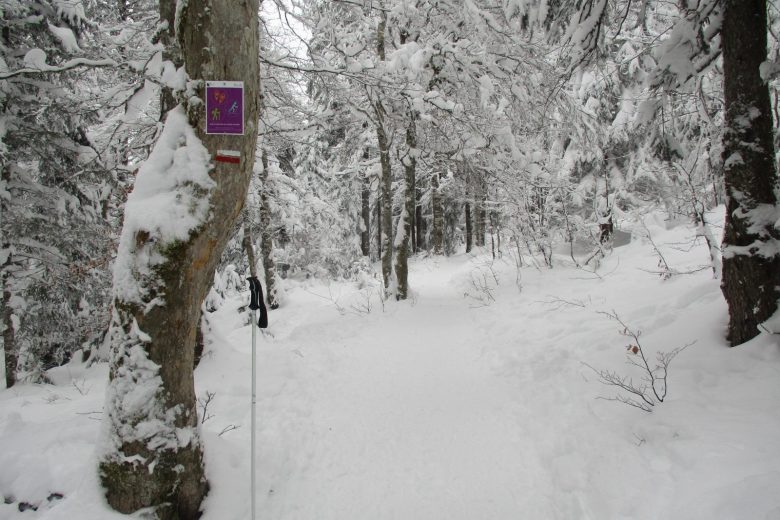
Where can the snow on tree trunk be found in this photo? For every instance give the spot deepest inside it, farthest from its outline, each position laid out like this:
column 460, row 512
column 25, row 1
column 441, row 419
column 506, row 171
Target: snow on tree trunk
column 413, row 214
column 404, row 231
column 158, row 289
column 413, row 229
column 10, row 349
column 712, row 246
column 604, row 211
column 419, row 222
column 177, row 221
column 385, row 183
column 266, row 238
column 379, row 221
column 171, row 51
column 365, row 211
column 9, row 337
column 751, row 262
column 387, row 199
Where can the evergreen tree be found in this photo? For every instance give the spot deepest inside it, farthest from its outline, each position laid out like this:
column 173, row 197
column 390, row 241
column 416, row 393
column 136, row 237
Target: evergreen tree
column 56, row 185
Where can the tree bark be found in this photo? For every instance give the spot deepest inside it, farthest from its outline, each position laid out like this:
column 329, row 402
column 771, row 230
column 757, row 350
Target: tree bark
column 451, row 219
column 266, row 237
column 407, row 213
column 479, row 224
column 497, row 231
column 365, row 212
column 9, row 336
column 153, row 455
column 438, row 215
column 386, row 198
column 413, row 216
column 606, row 226
column 469, row 229
column 171, row 51
column 492, row 237
column 10, row 348
column 751, row 265
column 248, row 243
column 385, row 185
column 419, row 222
column 379, row 221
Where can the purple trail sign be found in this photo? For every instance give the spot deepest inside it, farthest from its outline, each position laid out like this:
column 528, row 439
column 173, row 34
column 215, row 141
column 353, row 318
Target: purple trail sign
column 225, row 107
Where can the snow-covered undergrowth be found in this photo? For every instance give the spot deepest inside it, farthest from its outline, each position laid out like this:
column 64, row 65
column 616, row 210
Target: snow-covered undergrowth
column 458, row 404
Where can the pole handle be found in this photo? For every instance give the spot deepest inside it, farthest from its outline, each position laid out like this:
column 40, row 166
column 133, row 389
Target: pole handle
column 256, row 301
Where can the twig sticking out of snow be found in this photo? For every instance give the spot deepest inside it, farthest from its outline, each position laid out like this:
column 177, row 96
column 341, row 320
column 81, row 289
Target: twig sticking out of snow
column 666, row 271
column 652, row 386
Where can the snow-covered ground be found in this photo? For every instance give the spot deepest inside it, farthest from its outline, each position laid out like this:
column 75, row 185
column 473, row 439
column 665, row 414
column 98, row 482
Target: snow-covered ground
column 472, row 401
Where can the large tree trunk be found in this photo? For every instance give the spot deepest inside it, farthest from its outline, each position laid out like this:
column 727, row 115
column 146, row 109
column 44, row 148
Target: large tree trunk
column 402, row 242
column 266, row 237
column 177, row 221
column 751, row 264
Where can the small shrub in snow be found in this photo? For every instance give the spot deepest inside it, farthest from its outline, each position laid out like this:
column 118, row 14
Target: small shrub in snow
column 650, row 387
column 482, row 284
column 364, row 301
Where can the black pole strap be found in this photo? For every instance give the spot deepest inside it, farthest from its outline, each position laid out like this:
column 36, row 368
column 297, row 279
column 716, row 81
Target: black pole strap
column 256, row 301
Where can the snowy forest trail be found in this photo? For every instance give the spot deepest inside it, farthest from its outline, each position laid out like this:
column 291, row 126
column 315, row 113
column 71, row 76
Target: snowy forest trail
column 403, row 417
column 474, row 400
column 415, row 410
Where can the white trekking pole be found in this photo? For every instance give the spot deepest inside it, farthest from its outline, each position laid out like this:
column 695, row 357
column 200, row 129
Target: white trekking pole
column 256, row 302
column 254, row 404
